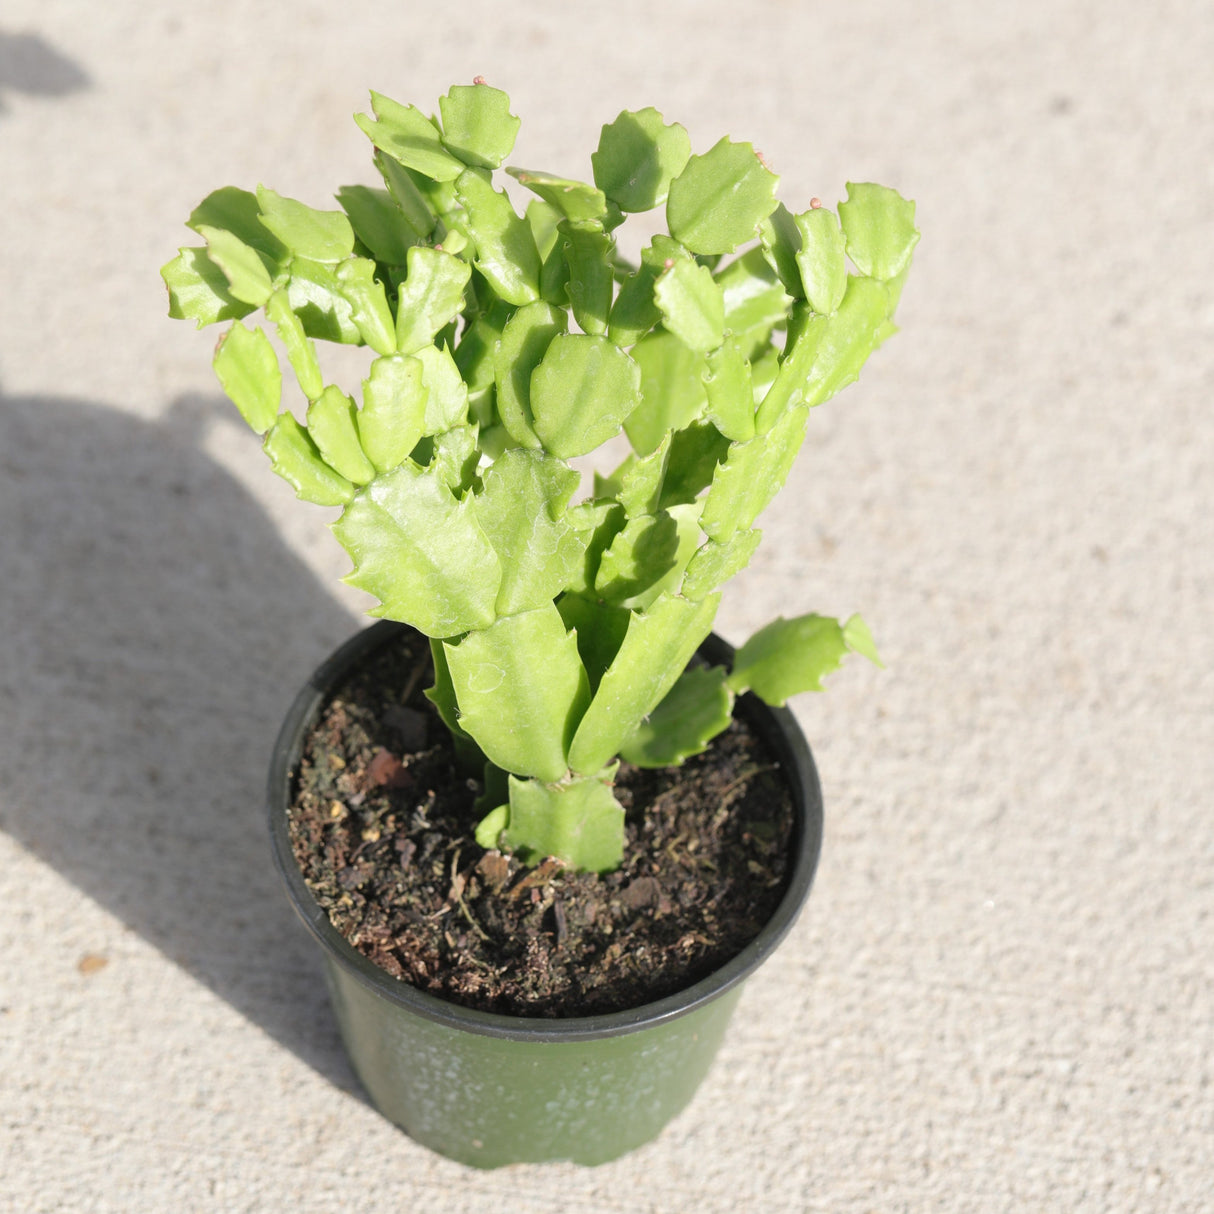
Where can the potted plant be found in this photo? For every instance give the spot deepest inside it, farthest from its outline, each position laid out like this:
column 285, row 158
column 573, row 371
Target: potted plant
column 562, row 637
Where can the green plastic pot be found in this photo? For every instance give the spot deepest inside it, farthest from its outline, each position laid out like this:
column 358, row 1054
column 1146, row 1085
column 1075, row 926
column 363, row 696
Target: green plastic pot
column 489, row 1090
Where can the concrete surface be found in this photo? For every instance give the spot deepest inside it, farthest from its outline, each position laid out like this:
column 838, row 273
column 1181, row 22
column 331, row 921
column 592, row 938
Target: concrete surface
column 1000, row 998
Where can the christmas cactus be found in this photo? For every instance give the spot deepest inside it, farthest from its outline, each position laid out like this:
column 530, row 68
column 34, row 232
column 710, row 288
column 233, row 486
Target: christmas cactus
column 563, row 625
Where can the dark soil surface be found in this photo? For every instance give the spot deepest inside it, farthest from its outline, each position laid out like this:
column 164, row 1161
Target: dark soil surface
column 382, row 829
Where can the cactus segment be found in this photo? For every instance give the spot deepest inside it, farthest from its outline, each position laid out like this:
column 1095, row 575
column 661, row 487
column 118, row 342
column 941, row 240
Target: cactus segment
column 297, row 460
column 880, row 228
column 730, row 391
column 694, row 711
column 581, row 393
column 419, row 550
column 719, row 199
column 672, row 390
column 430, row 297
column 199, row 291
column 787, row 657
column 578, row 821
column 410, row 138
column 589, row 281
column 715, row 563
column 379, row 223
column 446, row 392
column 524, row 342
column 478, row 125
column 821, row 259
column 238, row 211
column 368, row 304
column 752, row 474
column 648, row 557
column 242, row 266
column 247, row 367
column 655, row 650
column 333, row 427
column 573, row 200
column 324, row 236
column 638, row 156
column 316, row 297
column 692, row 305
column 523, row 724
column 521, row 509
column 505, row 249
column 392, row 418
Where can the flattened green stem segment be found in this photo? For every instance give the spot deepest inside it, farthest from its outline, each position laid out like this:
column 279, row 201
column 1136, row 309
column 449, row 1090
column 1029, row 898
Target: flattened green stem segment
column 393, row 412
column 572, row 199
column 420, row 551
column 524, row 342
column 578, row 821
column 199, row 291
column 522, row 511
column 600, row 630
column 442, row 694
column 751, row 476
column 672, row 393
column 730, row 390
column 299, row 347
column 755, row 300
column 521, row 688
column 586, row 248
column 505, row 249
column 715, row 563
column 719, row 199
column 248, row 369
column 692, row 305
column 635, row 310
column 319, row 235
column 648, row 557
column 637, row 482
column 822, row 259
column 243, row 267
column 297, row 460
column 581, row 392
column 446, row 392
column 478, row 125
column 656, row 649
column 827, row 352
column 880, row 228
column 791, row 656
column 238, row 211
column 315, row 294
column 379, row 222
column 430, row 297
column 695, row 710
column 368, row 304
column 333, row 427
column 638, row 157
column 410, row 138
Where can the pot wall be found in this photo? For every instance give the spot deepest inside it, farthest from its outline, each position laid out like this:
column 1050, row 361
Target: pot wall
column 489, row 1101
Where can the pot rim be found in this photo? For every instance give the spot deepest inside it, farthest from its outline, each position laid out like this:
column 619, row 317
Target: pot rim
column 779, row 728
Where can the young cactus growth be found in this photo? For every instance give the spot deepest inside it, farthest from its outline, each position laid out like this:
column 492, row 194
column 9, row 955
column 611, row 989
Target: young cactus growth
column 508, row 344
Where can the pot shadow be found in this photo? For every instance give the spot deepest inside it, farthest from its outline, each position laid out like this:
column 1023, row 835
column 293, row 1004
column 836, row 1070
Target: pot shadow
column 153, row 629
column 29, row 64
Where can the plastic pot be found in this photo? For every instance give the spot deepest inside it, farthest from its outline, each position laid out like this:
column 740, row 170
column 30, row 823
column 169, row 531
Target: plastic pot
column 489, row 1089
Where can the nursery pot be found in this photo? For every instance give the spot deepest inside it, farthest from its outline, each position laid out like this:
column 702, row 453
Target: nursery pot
column 488, row 1089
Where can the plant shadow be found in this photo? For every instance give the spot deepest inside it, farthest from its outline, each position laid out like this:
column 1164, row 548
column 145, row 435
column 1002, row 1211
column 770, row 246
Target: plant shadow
column 153, row 629
column 29, row 64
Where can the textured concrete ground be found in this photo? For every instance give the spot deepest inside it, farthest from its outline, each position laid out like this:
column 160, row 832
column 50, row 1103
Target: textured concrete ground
column 1001, row 995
